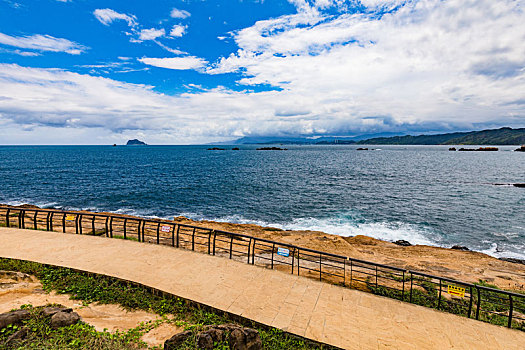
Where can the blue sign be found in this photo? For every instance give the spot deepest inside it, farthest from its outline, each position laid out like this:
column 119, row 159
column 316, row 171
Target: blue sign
column 283, row 252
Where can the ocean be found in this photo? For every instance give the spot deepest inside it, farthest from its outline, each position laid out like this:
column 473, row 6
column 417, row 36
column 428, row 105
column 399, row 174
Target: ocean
column 422, row 194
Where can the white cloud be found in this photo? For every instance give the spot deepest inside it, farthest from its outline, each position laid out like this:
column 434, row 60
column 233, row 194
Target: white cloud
column 176, row 13
column 42, row 43
column 108, row 16
column 178, row 63
column 151, row 34
column 178, row 30
column 428, row 65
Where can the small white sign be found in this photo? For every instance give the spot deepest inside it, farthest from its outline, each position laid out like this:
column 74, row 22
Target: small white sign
column 166, row 229
column 283, row 252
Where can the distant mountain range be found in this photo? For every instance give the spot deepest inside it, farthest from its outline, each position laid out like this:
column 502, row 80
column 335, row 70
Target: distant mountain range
column 502, row 136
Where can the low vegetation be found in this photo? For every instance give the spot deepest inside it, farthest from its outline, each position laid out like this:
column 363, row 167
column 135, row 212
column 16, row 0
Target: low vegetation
column 103, row 289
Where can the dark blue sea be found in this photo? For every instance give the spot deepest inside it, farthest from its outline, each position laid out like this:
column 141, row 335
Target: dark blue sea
column 423, row 194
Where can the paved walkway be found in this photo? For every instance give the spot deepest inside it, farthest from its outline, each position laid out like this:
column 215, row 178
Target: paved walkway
column 342, row 317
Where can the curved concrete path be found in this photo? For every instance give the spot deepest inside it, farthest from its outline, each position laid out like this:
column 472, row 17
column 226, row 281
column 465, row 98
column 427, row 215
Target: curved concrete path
column 342, row 317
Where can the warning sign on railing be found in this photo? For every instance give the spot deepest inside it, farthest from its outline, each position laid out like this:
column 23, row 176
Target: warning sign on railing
column 283, row 252
column 457, row 291
column 70, row 217
column 165, row 228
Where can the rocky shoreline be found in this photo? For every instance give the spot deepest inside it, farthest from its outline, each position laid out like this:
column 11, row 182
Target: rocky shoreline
column 456, row 262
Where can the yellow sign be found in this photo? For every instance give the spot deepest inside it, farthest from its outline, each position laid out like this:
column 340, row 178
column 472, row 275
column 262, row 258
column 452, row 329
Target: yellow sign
column 70, row 217
column 457, row 291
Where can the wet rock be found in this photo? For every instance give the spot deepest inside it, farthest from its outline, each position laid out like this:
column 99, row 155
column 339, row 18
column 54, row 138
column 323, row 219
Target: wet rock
column 13, row 317
column 452, row 149
column 521, row 149
column 216, row 149
column 235, row 149
column 460, row 247
column 514, row 260
column 519, row 185
column 177, row 340
column 64, row 319
column 362, row 149
column 403, row 243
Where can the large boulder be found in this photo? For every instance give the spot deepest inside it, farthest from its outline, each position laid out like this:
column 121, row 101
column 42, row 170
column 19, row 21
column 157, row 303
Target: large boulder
column 13, row 317
column 64, row 319
column 177, row 340
column 238, row 338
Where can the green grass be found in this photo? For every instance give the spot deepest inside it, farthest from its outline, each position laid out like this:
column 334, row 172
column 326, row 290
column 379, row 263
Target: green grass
column 103, row 289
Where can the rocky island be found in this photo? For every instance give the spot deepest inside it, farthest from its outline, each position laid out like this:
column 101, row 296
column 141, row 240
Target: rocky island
column 136, row 142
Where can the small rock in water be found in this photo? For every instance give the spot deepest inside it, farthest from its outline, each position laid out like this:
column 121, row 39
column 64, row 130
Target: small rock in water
column 460, row 247
column 519, row 185
column 452, row 149
column 403, row 243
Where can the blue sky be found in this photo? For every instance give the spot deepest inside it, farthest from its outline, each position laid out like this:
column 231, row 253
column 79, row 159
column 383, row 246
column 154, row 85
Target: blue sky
column 179, row 72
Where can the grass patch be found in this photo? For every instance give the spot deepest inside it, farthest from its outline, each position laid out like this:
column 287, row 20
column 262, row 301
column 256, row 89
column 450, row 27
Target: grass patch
column 103, row 289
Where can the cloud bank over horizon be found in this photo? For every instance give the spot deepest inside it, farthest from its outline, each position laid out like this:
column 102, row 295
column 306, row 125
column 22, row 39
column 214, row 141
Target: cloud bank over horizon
column 321, row 68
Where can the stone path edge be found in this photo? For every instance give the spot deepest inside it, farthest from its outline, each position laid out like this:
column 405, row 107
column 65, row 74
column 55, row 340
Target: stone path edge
column 157, row 291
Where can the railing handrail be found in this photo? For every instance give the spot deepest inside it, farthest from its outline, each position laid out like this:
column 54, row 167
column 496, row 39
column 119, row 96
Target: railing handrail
column 163, row 221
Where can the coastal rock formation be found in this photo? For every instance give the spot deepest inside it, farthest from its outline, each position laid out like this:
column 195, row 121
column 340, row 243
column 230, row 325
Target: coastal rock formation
column 521, row 149
column 403, row 243
column 238, row 338
column 216, row 149
column 481, row 149
column 452, row 149
column 135, row 142
column 271, row 149
column 460, row 247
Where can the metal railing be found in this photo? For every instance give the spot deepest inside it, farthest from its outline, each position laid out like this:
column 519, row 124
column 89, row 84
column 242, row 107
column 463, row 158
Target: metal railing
column 462, row 298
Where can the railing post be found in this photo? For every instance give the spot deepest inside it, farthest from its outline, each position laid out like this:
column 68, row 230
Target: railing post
column 34, row 220
column 172, row 235
column 376, row 276
column 111, row 227
column 320, row 268
column 293, row 259
column 106, row 228
column 209, row 242
column 178, row 228
column 158, row 232
column 344, row 272
column 125, row 224
column 511, row 307
column 93, row 225
column 411, row 285
column 141, row 222
column 214, row 237
column 23, row 219
column 50, row 220
column 298, row 267
column 7, row 217
column 249, row 247
column 80, row 224
column 273, row 248
column 143, row 229
column 231, row 245
column 351, row 272
column 403, row 290
column 439, row 297
column 470, row 302
column 64, row 223
column 193, row 239
column 253, row 251
column 478, row 306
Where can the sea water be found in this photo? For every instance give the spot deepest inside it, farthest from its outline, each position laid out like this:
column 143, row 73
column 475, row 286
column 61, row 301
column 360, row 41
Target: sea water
column 422, row 194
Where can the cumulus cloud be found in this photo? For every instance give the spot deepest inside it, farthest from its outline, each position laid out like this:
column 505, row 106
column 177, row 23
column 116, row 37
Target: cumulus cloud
column 176, row 13
column 108, row 16
column 42, row 43
column 178, row 30
column 151, row 34
column 178, row 63
column 418, row 66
